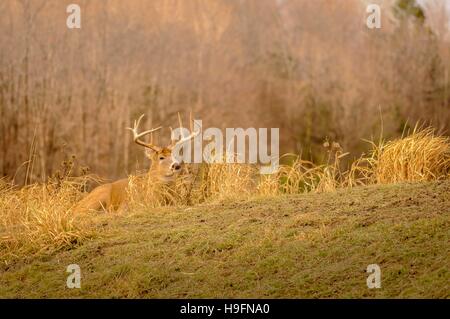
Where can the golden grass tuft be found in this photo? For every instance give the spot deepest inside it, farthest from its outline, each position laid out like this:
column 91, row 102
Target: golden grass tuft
column 146, row 192
column 419, row 156
column 303, row 176
column 222, row 181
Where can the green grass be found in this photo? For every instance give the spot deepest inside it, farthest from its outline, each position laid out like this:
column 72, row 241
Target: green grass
column 302, row 246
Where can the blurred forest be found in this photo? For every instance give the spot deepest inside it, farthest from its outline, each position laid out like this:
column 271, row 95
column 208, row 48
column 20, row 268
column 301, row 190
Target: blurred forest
column 310, row 67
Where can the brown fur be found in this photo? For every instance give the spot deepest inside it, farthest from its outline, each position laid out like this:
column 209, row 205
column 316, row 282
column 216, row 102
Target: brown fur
column 113, row 196
column 108, row 197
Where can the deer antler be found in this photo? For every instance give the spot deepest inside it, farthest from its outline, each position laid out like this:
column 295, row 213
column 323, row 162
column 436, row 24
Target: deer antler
column 137, row 135
column 186, row 138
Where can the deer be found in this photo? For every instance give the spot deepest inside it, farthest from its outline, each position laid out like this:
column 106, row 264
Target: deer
column 164, row 168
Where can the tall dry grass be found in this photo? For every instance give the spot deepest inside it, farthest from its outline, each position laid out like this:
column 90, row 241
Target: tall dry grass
column 207, row 182
column 419, row 156
column 144, row 192
column 38, row 218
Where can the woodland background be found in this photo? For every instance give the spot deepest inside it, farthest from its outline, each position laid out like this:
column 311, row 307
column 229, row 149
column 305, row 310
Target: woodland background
column 312, row 68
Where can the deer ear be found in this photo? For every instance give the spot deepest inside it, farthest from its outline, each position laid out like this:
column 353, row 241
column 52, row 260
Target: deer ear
column 150, row 153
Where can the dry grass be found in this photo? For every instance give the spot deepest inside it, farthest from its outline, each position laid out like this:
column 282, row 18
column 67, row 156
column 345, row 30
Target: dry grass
column 145, row 192
column 304, row 176
column 38, row 218
column 222, row 181
column 420, row 156
column 207, row 182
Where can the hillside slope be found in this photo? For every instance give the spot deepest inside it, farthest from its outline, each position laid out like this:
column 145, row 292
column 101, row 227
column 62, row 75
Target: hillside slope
column 305, row 246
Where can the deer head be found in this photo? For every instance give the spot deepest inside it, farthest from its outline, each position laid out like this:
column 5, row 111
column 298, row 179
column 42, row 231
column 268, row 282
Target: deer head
column 163, row 164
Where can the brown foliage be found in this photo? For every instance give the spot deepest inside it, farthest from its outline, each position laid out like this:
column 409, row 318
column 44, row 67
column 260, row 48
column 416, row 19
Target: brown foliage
column 311, row 68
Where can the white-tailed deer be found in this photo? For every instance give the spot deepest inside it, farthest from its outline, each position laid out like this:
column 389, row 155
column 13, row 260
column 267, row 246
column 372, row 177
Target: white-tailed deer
column 164, row 167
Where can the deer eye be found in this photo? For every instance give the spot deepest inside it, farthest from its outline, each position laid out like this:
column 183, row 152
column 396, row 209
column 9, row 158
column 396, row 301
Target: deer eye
column 161, row 158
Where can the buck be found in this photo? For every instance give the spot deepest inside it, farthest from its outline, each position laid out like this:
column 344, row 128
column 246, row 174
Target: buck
column 164, row 167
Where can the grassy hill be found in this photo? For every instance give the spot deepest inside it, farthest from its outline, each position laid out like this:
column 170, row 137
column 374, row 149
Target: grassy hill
column 297, row 246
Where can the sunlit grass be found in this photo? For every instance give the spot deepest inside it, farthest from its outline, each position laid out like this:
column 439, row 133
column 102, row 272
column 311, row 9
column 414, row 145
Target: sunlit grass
column 40, row 217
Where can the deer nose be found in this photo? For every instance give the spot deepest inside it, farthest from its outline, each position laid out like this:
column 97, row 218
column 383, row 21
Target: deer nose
column 176, row 166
